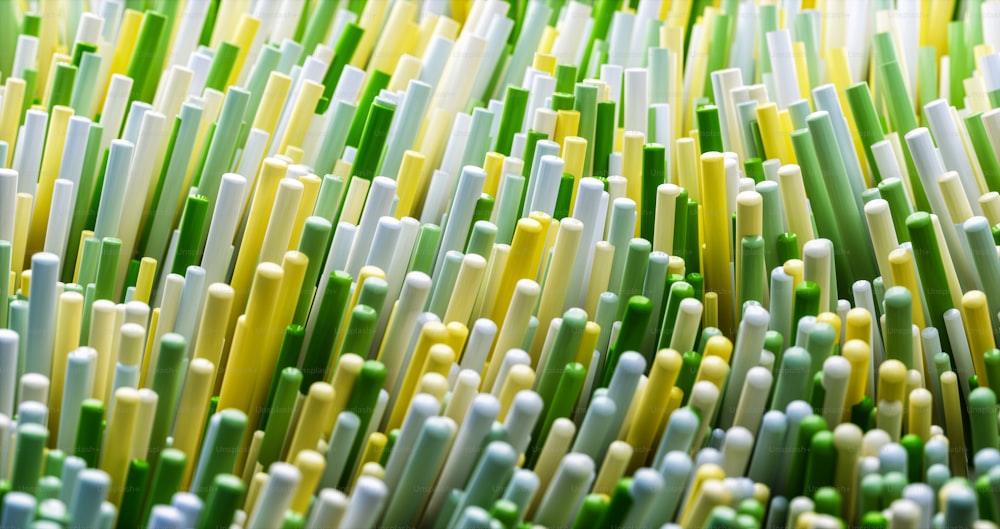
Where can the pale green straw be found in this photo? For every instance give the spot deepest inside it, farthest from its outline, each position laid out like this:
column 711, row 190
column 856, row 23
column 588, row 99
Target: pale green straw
column 223, row 146
column 172, row 178
column 335, row 137
column 328, row 201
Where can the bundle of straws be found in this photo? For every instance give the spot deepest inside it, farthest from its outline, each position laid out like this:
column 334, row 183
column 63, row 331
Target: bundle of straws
column 487, row 264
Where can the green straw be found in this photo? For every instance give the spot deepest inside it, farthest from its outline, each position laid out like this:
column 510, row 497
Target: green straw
column 167, row 385
column 360, row 329
column 377, row 81
column 633, row 330
column 107, row 268
column 654, row 173
column 604, row 138
column 820, row 470
column 315, row 236
column 362, row 403
column 984, row 151
column 329, row 318
column 342, row 54
column 927, row 75
column 62, row 86
column 224, row 498
column 220, row 450
column 958, row 69
column 168, row 475
column 515, row 105
column 930, row 267
column 130, row 512
column 372, row 140
column 692, row 247
column 279, row 416
column 192, row 228
column 681, row 203
column 869, row 128
column 90, row 432
column 222, row 67
column 8, row 36
column 709, row 129
column 288, row 356
column 899, row 206
column 139, row 68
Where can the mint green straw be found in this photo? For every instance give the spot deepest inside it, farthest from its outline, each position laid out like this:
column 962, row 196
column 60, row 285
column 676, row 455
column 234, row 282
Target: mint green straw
column 267, row 62
column 901, row 115
column 982, row 406
column 850, row 224
column 317, row 24
column 425, row 249
column 279, row 416
column 822, row 206
column 752, row 275
column 767, row 21
column 29, row 447
column 586, row 104
column 84, row 194
column 481, row 239
column 5, row 258
column 335, row 139
column 224, row 144
column 898, row 325
column 509, row 206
